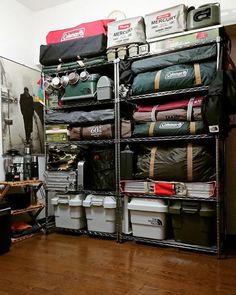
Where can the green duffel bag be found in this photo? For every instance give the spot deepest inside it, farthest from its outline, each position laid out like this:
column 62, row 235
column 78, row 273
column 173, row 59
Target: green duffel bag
column 158, row 62
column 168, row 128
column 174, row 77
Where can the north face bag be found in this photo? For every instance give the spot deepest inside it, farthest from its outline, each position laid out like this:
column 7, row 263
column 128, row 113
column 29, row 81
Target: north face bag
column 174, row 77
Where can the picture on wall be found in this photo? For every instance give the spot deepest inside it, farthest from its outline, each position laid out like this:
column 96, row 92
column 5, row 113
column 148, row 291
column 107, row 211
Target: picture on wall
column 21, row 110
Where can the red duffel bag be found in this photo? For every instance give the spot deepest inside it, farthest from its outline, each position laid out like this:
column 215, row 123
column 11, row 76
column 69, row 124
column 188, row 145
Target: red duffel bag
column 81, row 31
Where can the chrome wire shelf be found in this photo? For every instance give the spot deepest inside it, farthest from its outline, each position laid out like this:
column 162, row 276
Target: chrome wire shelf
column 171, row 243
column 82, row 104
column 140, row 195
column 87, row 232
column 168, row 93
column 92, row 142
column 168, row 138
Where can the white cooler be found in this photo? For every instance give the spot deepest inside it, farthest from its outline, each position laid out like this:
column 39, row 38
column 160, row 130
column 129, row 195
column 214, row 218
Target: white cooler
column 69, row 211
column 148, row 218
column 100, row 213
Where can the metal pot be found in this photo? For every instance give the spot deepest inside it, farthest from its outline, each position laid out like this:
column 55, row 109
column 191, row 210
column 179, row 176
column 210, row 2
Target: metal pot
column 48, row 87
column 84, row 76
column 56, row 82
column 64, row 81
column 73, row 78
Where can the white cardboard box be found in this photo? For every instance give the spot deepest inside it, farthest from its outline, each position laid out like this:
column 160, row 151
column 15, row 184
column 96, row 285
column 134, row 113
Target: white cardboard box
column 148, row 218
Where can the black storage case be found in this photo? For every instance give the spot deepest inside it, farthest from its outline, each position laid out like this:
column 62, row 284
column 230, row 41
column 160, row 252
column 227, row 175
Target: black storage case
column 193, row 222
column 5, row 227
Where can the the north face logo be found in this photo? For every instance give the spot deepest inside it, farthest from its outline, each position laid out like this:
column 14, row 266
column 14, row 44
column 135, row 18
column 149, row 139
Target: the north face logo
column 73, row 34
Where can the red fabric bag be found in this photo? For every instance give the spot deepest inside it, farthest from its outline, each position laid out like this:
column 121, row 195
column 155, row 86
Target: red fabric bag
column 83, row 30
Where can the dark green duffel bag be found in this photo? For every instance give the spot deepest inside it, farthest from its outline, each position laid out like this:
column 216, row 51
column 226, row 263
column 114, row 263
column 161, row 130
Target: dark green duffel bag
column 176, row 163
column 186, row 56
column 174, row 77
column 168, row 128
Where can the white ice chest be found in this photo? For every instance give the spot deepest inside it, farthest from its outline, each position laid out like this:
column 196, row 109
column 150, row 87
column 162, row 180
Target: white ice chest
column 148, row 218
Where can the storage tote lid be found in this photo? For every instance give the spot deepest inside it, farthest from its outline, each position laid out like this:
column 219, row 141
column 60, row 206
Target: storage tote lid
column 105, row 81
column 97, row 200
column 76, row 200
column 150, row 205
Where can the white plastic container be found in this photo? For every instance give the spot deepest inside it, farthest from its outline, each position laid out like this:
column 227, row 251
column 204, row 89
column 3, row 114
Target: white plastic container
column 69, row 211
column 148, row 218
column 100, row 213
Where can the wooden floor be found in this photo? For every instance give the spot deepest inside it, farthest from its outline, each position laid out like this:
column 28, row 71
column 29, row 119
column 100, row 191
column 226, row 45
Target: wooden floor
column 63, row 264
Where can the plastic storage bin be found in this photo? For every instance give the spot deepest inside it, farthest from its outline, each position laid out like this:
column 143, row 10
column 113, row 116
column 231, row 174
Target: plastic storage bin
column 193, row 222
column 100, row 213
column 69, row 212
column 5, row 227
column 148, row 218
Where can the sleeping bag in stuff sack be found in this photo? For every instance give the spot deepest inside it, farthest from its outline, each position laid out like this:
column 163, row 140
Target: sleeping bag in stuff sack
column 169, row 115
column 169, row 128
column 102, row 169
column 102, row 131
column 78, row 117
column 174, row 77
column 72, row 50
column 186, row 56
column 83, row 30
column 183, row 163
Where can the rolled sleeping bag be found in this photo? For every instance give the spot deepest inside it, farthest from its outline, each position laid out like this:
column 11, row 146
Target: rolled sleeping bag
column 103, row 131
column 174, row 77
column 170, row 115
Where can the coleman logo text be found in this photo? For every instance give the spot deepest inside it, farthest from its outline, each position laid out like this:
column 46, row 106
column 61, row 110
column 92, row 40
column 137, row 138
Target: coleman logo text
column 176, row 74
column 73, row 34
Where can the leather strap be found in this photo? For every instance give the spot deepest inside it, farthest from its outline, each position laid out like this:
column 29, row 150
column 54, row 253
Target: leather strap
column 190, row 109
column 153, row 113
column 190, row 162
column 151, row 129
column 192, row 128
column 80, row 63
column 157, row 80
column 59, row 67
column 152, row 162
column 197, row 72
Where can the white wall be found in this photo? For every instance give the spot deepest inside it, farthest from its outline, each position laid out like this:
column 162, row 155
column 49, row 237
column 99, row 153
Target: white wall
column 16, row 34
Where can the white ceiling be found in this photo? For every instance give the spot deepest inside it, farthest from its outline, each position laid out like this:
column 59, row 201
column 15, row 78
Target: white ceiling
column 37, row 5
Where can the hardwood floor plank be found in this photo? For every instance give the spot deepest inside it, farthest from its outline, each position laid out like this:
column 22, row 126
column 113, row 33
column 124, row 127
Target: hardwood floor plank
column 63, row 264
